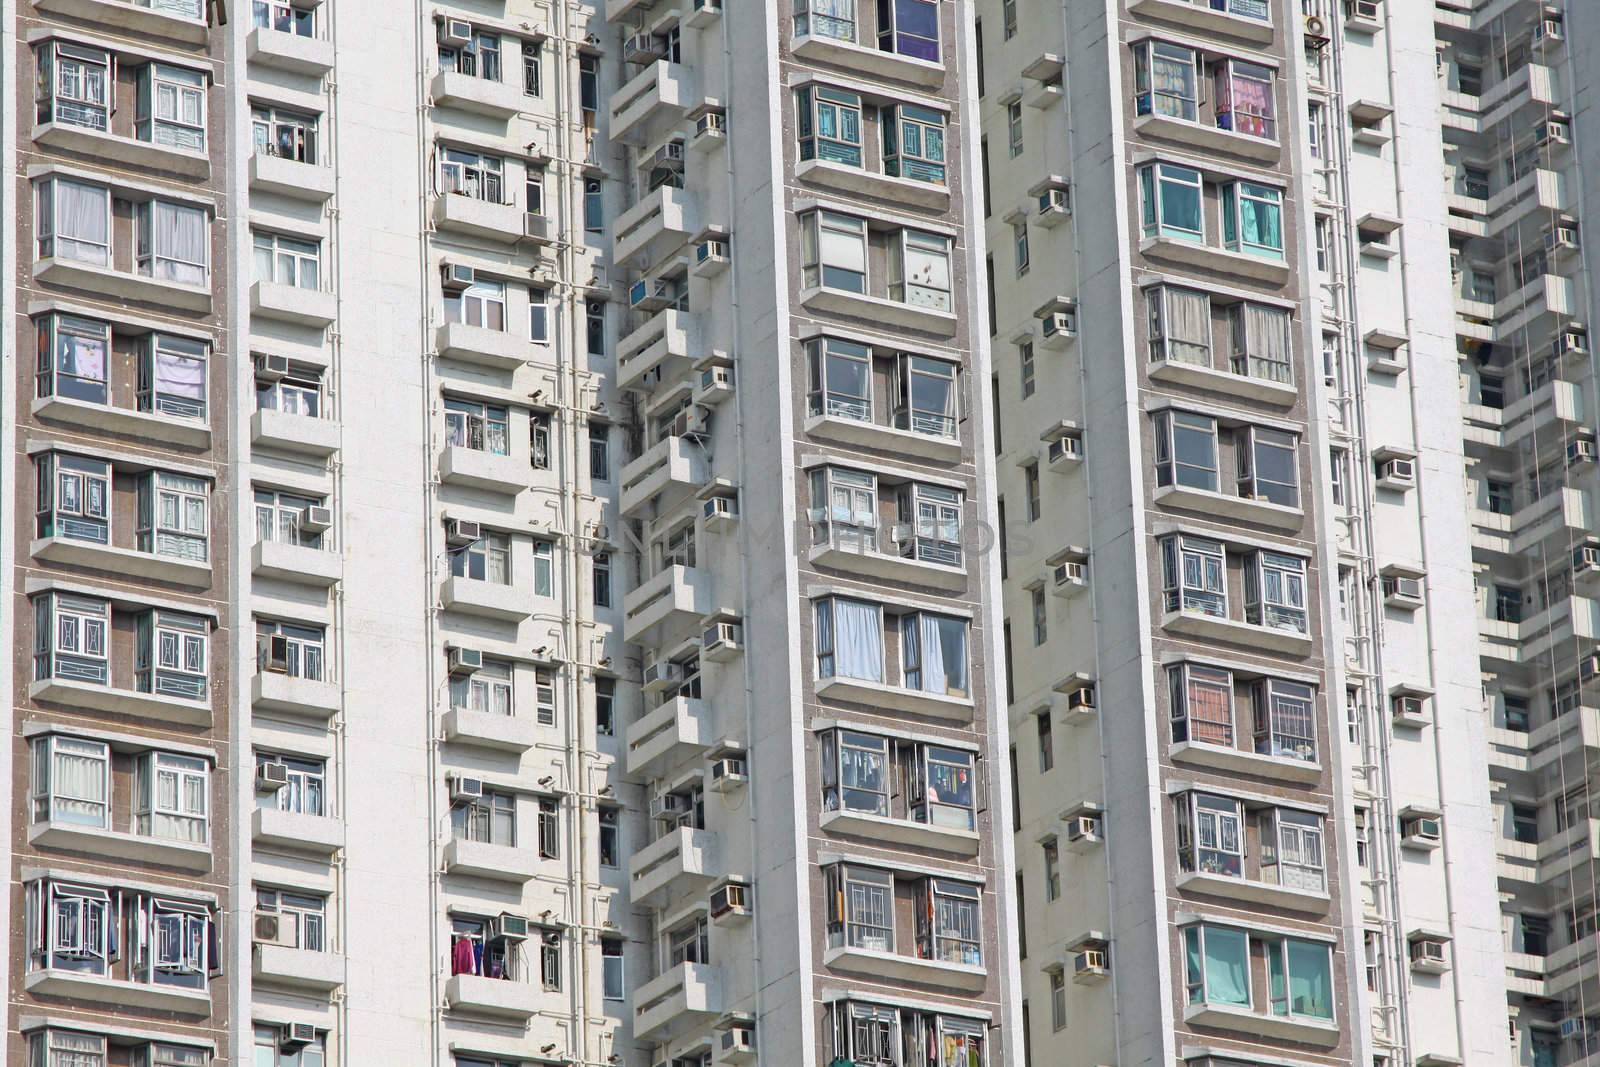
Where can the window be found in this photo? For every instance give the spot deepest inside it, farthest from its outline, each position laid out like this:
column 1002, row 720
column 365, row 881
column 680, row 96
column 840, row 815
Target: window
column 1275, row 592
column 539, row 439
column 826, row 18
column 479, row 58
column 594, row 206
column 73, row 85
column 172, row 376
column 287, row 260
column 942, row 787
column 71, row 781
column 1030, row 483
column 1047, row 748
column 860, row 908
column 914, row 143
column 70, row 928
column 532, row 68
column 307, row 789
column 833, row 251
column 550, row 960
column 909, row 28
column 302, row 922
column 849, row 639
column 487, row 559
column 1025, row 368
column 490, row 820
column 1244, row 101
column 1166, row 80
column 280, row 517
column 1252, row 219
column 489, row 689
column 1019, row 244
column 284, row 17
column 543, row 568
column 481, row 304
column 172, row 515
column 1170, row 198
column 299, row 392
column 934, row 512
column 73, row 358
column 172, row 107
column 829, row 125
column 1323, row 233
column 933, row 653
column 610, row 840
column 1186, row 450
column 74, row 221
column 173, row 796
column 605, row 706
column 1268, row 466
column 1058, row 1000
column 1210, row 834
column 549, row 828
column 1261, row 345
column 269, row 1051
column 594, row 322
column 589, row 85
column 1292, row 847
column 611, row 974
column 1193, row 573
column 840, row 374
column 1217, row 965
column 855, row 772
column 73, row 498
column 544, row 696
column 1180, row 325
column 952, row 936
column 66, row 1048
column 174, row 242
column 844, row 506
column 1052, row 870
column 539, row 316
column 599, row 452
column 1201, row 704
column 283, row 647
column 1008, row 18
column 1285, row 720
column 472, row 174
column 602, row 579
column 1301, row 979
column 1041, row 617
column 71, row 637
column 480, row 427
column 925, row 395
column 1338, row 476
column 1014, row 127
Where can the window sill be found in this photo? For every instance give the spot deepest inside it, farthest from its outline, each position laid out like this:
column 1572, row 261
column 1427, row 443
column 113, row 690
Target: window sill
column 289, row 52
column 862, row 182
column 487, row 600
column 292, row 304
column 100, row 145
column 900, row 968
column 1219, row 757
column 887, row 438
column 1243, row 1019
column 896, row 698
column 288, row 695
column 1208, row 138
column 918, row 836
column 1261, row 512
column 122, row 561
column 1206, row 257
column 876, row 311
column 122, row 285
column 314, row 567
column 844, row 555
column 498, row 863
column 135, row 848
column 1200, row 16
column 484, row 729
column 168, row 429
column 123, row 701
column 1176, row 372
column 495, row 349
column 1237, row 633
column 318, row 834
column 1278, row 896
column 126, row 16
column 297, row 968
column 291, row 178
column 870, row 61
column 96, row 989
column 501, row 998
column 293, row 433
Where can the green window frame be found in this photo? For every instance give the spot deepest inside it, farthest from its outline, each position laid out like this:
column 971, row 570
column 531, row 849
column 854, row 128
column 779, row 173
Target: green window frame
column 1172, row 202
column 1252, row 219
column 829, row 125
column 1217, row 965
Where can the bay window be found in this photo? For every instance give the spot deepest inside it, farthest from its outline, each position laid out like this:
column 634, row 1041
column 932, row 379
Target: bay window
column 74, row 498
column 480, row 427
column 1252, row 219
column 1275, row 592
column 689, row 942
column 489, row 820
column 1268, row 462
column 1292, row 849
column 283, row 16
column 1217, row 965
column 1261, row 343
column 925, row 391
column 488, row 559
column 71, row 781
column 472, row 174
column 840, row 379
column 171, row 658
column 829, row 125
column 70, row 927
column 942, row 787
column 909, row 28
column 855, row 772
column 1285, row 720
column 479, row 57
column 299, row 392
column 1180, row 325
column 280, row 518
column 174, row 242
column 952, row 934
column 302, row 919
column 187, row 9
column 172, row 376
column 67, row 1048
column 285, row 260
column 1210, row 834
column 860, row 908
column 1301, row 976
column 867, row 1035
column 919, row 270
column 914, row 143
column 483, row 303
column 849, row 639
column 487, row 689
column 1248, row 9
column 844, row 502
column 1244, row 100
column 73, row 358
column 933, row 653
column 284, row 134
column 180, row 951
column 1201, row 704
column 298, row 651
column 73, row 85
column 833, row 251
column 74, row 221
column 173, row 515
column 172, row 797
column 307, row 788
column 160, row 1054
column 934, row 512
column 1186, row 450
column 172, row 107
column 1194, row 575
column 826, row 18
column 1170, row 198
column 71, row 636
column 1166, row 80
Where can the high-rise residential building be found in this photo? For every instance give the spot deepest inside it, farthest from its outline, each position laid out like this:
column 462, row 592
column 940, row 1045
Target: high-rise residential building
column 494, row 529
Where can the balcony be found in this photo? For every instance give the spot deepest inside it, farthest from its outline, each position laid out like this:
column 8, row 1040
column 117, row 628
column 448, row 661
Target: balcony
column 895, row 968
column 917, row 836
column 123, row 285
column 282, row 562
column 123, row 561
column 683, row 861
column 661, row 739
column 879, row 312
column 497, row 998
column 114, row 992
column 877, row 695
column 1198, row 376
column 859, row 181
column 857, row 552
column 1544, row 411
column 872, row 62
column 296, row 831
column 1565, row 513
column 496, row 349
column 474, row 468
column 1207, row 138
column 288, row 695
column 672, row 469
column 498, row 863
column 685, row 998
column 130, row 151
column 1253, row 891
column 291, row 178
column 292, row 304
column 1244, row 761
column 935, row 447
column 1200, row 15
column 135, row 848
column 297, row 968
column 149, row 425
column 671, row 603
column 1282, row 1027
column 485, row 729
column 289, row 52
column 293, row 433
column 166, row 709
column 124, row 15
column 486, row 600
column 478, row 96
column 668, row 335
column 458, row 213
column 657, row 224
column 1204, row 257
column 661, row 91
column 1233, row 506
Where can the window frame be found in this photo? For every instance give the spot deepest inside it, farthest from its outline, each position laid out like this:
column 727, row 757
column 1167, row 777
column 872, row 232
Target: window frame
column 1156, row 180
column 830, row 125
column 1233, row 198
column 1174, row 426
column 1208, row 595
column 1148, row 100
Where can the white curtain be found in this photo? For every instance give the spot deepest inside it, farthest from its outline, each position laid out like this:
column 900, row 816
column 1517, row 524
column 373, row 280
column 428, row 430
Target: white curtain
column 83, row 221
column 178, row 239
column 944, row 654
column 1188, row 326
column 857, row 640
column 1266, row 340
column 80, row 782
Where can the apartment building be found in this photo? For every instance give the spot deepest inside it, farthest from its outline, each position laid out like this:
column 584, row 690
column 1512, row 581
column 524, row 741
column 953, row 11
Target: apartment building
column 497, row 523
column 1232, row 475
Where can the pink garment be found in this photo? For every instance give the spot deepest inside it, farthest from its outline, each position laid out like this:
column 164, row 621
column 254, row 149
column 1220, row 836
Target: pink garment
column 461, row 957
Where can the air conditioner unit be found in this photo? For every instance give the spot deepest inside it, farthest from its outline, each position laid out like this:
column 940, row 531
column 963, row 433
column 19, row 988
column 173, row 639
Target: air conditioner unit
column 1572, row 1027
column 1060, row 324
column 902, row 533
column 277, row 654
column 1083, row 828
column 711, row 250
column 670, row 155
column 1370, row 10
column 298, row 1035
column 455, row 32
column 463, row 788
column 696, row 422
column 1581, row 450
column 713, row 123
column 316, row 519
column 1427, row 952
column 1400, row 587
column 642, row 48
column 1406, row 706
column 1068, row 448
column 739, row 1037
column 1549, row 28
column 668, row 805
column 1572, row 342
column 271, row 777
column 730, row 770
column 512, row 927
column 1090, row 963
column 661, row 674
column 271, row 368
column 716, row 379
column 1081, row 699
column 458, row 276
column 1562, row 237
column 721, row 640
column 1553, row 131
column 721, row 509
column 1420, row 830
column 266, row 928
column 1070, row 573
column 730, row 899
column 1398, row 472
column 461, row 661
column 1589, row 668
column 1054, row 202
column 1586, row 558
column 462, row 532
